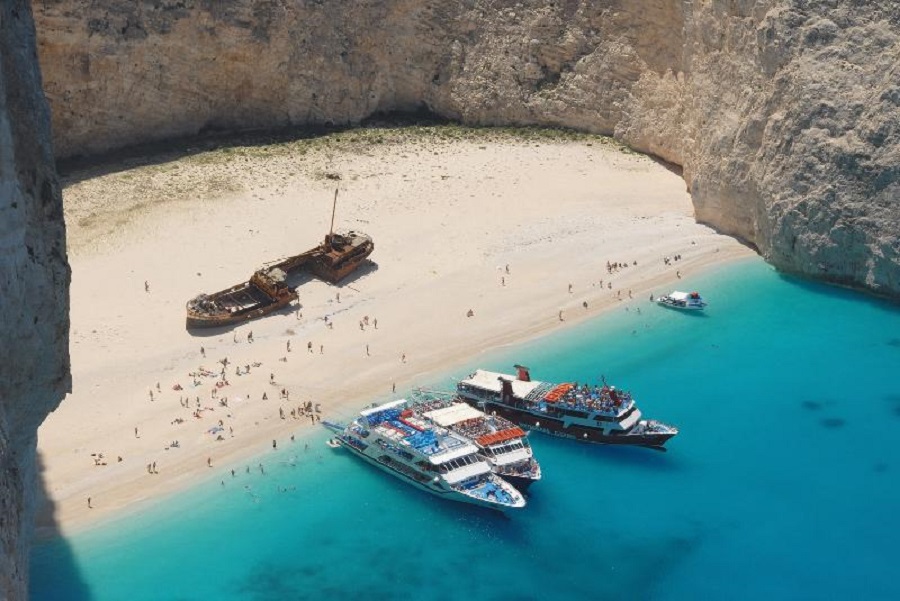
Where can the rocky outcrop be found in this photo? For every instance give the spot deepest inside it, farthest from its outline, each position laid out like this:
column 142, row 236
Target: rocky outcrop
column 34, row 281
column 784, row 114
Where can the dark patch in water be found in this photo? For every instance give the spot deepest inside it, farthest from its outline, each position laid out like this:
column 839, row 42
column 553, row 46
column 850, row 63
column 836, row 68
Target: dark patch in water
column 892, row 398
column 880, row 468
column 833, row 422
column 811, row 405
column 897, row 410
column 894, row 342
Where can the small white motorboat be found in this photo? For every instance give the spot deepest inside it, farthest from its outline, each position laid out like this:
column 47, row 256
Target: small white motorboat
column 690, row 301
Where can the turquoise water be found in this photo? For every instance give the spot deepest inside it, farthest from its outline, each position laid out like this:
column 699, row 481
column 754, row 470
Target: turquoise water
column 783, row 483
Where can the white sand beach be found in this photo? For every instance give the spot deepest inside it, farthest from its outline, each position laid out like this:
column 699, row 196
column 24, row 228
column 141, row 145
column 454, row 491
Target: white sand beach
column 447, row 218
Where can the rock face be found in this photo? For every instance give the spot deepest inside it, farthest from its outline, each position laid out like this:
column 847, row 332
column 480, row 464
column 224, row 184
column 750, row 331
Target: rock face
column 34, row 285
column 784, row 114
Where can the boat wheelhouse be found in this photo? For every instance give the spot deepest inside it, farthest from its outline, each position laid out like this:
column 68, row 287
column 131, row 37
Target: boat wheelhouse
column 500, row 442
column 689, row 301
column 431, row 458
column 598, row 414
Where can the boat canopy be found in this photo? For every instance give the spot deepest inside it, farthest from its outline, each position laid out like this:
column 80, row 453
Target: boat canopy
column 683, row 296
column 467, row 471
column 502, row 436
column 445, row 453
column 489, row 380
column 382, row 413
column 455, row 413
column 382, row 407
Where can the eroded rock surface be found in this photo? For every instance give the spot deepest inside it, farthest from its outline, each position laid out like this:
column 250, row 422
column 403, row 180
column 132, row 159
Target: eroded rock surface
column 783, row 113
column 34, row 281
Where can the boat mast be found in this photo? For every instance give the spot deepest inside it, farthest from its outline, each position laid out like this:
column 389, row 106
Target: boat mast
column 333, row 209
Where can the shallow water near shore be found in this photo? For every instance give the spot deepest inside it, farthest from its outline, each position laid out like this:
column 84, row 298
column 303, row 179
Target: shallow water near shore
column 782, row 483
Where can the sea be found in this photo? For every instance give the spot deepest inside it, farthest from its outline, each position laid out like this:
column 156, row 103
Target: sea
column 783, row 483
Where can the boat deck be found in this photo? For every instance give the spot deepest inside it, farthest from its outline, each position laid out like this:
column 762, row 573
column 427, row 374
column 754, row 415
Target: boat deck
column 245, row 298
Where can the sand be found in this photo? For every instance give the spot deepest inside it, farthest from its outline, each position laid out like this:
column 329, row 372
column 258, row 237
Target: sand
column 447, row 217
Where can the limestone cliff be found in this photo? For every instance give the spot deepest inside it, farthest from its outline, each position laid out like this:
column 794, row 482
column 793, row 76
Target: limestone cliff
column 783, row 113
column 34, row 278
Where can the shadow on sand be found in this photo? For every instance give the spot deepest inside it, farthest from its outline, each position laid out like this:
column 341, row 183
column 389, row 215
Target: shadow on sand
column 55, row 574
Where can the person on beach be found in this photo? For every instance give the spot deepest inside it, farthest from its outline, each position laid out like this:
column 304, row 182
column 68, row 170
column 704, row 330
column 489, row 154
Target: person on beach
column 561, row 316
column 470, row 313
column 570, row 288
column 367, row 350
column 507, row 269
column 375, row 322
column 202, row 352
column 136, row 435
column 309, row 346
column 289, row 346
column 250, row 336
column 89, row 503
column 338, row 297
column 146, row 286
column 274, row 444
column 321, row 349
column 393, row 387
column 209, row 462
column 403, row 358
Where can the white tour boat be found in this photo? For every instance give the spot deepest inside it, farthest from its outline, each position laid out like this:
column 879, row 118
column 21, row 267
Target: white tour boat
column 502, row 443
column 434, row 459
column 598, row 414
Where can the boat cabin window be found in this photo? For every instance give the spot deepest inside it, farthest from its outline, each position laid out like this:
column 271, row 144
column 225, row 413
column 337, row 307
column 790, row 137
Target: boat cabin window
column 459, row 462
column 513, row 446
column 580, row 414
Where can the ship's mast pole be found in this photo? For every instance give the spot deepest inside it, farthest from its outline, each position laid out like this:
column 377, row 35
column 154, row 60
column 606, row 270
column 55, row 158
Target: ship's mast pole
column 333, row 209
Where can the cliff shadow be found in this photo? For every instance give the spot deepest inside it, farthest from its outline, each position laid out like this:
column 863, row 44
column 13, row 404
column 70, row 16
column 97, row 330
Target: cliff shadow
column 838, row 288
column 77, row 168
column 54, row 573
